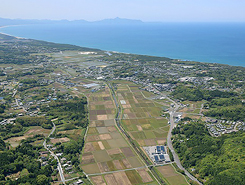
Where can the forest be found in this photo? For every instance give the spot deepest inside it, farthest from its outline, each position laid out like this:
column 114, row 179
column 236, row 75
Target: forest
column 216, row 161
column 73, row 111
column 23, row 159
column 197, row 94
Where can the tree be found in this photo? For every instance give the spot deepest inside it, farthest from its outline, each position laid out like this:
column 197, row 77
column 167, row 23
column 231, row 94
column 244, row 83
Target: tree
column 42, row 180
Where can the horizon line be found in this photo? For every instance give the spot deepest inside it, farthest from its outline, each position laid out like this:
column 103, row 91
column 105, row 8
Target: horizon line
column 129, row 19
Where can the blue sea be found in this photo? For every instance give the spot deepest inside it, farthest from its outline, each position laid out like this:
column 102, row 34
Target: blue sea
column 204, row 42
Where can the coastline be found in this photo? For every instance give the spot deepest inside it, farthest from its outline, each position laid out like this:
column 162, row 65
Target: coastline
column 6, row 26
column 103, row 45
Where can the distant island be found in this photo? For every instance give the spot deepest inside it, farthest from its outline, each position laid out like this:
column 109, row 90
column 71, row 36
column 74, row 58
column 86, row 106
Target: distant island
column 186, row 41
column 117, row 20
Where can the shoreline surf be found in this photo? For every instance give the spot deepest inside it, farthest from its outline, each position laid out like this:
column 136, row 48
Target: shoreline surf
column 107, row 44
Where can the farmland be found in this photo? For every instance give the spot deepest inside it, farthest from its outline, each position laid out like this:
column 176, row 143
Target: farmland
column 141, row 117
column 107, row 157
column 171, row 176
column 193, row 109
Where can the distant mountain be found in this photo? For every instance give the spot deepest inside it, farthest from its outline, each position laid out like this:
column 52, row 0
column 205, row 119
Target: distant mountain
column 119, row 21
column 5, row 22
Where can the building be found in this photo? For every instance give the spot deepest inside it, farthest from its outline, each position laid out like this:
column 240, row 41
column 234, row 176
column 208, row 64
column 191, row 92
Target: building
column 157, row 154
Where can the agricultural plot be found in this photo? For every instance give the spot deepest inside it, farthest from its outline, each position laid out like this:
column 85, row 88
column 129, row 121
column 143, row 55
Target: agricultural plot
column 130, row 177
column 193, row 109
column 141, row 117
column 83, row 59
column 105, row 148
column 30, row 132
column 171, row 175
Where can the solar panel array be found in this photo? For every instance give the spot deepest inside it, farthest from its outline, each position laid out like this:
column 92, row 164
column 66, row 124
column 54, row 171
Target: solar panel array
column 156, row 158
column 161, row 157
column 163, row 149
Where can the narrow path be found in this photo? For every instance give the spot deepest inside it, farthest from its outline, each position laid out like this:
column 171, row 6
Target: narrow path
column 201, row 108
column 51, row 153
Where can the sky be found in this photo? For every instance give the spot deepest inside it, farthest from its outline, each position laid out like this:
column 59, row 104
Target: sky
column 145, row 10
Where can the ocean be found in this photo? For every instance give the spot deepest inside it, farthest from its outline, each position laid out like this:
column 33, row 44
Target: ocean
column 204, row 42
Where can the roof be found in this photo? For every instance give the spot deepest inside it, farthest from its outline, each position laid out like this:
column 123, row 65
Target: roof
column 162, row 148
column 166, row 156
column 156, row 158
column 90, row 85
column 161, row 157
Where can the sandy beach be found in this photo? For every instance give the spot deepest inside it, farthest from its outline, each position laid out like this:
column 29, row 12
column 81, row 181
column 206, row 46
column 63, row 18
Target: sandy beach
column 9, row 34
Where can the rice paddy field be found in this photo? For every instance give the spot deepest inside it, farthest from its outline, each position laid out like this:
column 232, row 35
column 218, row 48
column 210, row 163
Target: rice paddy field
column 107, row 157
column 171, row 176
column 142, row 117
column 130, row 177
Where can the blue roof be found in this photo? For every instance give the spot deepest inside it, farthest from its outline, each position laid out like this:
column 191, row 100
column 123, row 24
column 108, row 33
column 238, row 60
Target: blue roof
column 161, row 157
column 162, row 148
column 156, row 158
column 158, row 149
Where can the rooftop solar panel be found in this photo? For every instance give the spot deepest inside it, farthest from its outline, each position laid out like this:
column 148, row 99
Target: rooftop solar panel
column 162, row 148
column 156, row 158
column 161, row 157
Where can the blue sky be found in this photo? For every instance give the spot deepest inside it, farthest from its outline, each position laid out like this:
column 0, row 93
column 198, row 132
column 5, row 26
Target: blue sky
column 146, row 10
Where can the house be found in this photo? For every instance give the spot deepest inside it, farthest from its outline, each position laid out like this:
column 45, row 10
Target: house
column 68, row 168
column 78, row 182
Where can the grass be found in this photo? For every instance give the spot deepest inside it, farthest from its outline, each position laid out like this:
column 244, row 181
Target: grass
column 111, row 166
column 147, row 94
column 24, row 172
column 149, row 135
column 146, row 127
column 170, row 174
column 91, row 168
column 92, row 131
column 117, row 156
column 134, row 161
column 143, row 112
column 139, row 135
column 131, row 127
column 106, row 145
column 134, row 177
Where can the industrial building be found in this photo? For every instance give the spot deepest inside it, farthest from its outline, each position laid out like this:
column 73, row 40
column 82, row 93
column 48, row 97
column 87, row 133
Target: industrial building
column 157, row 154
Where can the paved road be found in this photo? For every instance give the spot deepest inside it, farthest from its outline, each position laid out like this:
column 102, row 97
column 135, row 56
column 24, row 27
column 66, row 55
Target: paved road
column 58, row 161
column 170, row 146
